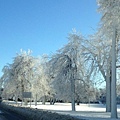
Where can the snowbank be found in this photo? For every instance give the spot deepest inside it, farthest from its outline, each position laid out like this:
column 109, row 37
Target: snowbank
column 36, row 114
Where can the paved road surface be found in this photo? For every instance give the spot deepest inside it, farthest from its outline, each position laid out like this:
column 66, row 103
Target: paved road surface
column 1, row 116
column 7, row 115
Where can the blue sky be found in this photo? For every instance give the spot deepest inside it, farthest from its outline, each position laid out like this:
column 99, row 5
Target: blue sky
column 42, row 25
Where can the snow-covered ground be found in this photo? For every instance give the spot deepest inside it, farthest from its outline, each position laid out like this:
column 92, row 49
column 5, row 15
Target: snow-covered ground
column 87, row 111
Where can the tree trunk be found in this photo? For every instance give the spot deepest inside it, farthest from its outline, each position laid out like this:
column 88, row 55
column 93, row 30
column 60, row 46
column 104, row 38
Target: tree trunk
column 44, row 100
column 26, row 102
column 22, row 89
column 50, row 101
column 16, row 99
column 78, row 103
column 77, row 100
column 108, row 93
column 36, row 100
column 73, row 93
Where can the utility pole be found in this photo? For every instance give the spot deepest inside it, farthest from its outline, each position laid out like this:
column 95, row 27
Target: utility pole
column 113, row 82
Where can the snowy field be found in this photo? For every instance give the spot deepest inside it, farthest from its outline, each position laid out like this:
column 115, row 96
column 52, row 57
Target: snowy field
column 86, row 111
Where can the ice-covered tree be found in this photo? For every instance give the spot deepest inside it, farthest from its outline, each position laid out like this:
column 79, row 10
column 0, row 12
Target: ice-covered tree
column 99, row 51
column 7, row 81
column 41, row 84
column 27, row 74
column 68, row 67
column 110, row 10
column 20, row 73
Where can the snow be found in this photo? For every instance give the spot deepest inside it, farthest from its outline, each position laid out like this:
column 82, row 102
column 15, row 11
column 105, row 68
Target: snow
column 84, row 111
column 87, row 111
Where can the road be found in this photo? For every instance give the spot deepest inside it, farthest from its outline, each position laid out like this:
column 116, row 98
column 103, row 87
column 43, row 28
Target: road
column 7, row 115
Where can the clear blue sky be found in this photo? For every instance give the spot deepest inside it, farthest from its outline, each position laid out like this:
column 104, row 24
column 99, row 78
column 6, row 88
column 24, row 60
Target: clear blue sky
column 42, row 25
